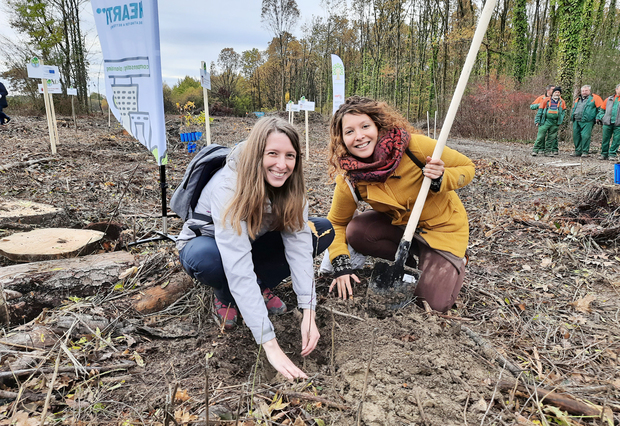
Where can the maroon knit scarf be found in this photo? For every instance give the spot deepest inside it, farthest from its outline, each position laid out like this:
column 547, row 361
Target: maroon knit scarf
column 385, row 159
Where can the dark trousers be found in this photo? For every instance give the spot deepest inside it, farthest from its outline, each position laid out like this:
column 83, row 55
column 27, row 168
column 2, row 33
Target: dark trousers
column 372, row 233
column 3, row 117
column 201, row 259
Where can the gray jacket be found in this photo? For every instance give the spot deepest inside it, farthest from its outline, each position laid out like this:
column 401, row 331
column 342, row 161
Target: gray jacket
column 236, row 252
column 605, row 114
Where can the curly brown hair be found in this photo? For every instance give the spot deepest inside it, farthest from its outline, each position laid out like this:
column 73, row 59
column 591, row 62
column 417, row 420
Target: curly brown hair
column 384, row 116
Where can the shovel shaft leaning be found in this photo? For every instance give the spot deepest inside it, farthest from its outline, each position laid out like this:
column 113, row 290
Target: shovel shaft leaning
column 483, row 23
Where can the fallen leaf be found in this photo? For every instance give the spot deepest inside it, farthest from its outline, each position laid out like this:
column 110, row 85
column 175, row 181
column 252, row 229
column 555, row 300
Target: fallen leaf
column 526, row 267
column 545, row 262
column 583, row 305
column 182, row 395
column 138, row 359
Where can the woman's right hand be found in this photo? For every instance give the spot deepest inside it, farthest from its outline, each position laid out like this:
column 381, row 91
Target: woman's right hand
column 278, row 359
column 343, row 283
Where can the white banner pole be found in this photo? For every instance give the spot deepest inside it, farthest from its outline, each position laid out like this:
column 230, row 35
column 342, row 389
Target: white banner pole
column 435, row 129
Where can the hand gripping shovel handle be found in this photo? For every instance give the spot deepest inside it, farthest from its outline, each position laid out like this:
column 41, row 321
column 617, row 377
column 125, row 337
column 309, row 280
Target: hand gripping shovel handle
column 483, row 23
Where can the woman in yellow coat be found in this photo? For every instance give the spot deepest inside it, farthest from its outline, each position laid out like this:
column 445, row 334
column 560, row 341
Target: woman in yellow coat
column 375, row 155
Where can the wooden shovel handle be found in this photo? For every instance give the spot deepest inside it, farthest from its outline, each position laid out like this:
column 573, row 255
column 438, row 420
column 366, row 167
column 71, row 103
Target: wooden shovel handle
column 483, row 23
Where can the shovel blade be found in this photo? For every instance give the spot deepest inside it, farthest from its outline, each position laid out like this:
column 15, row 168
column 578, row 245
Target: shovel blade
column 392, row 285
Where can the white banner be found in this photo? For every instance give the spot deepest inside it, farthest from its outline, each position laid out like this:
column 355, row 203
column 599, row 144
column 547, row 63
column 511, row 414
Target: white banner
column 129, row 36
column 337, row 82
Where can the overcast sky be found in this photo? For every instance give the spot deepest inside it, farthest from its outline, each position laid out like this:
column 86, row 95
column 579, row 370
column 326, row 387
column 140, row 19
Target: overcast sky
column 191, row 31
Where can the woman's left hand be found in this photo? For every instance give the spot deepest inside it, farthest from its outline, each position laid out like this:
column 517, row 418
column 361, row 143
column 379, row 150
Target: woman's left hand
column 309, row 332
column 434, row 168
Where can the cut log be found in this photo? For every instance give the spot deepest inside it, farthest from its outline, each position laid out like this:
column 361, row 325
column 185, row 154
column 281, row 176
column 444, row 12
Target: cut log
column 22, row 211
column 157, row 298
column 51, row 243
column 47, row 284
column 565, row 402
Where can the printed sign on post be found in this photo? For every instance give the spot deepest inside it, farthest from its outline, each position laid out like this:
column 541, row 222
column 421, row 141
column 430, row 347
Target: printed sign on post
column 53, row 88
column 294, row 107
column 205, row 79
column 307, row 106
column 71, row 91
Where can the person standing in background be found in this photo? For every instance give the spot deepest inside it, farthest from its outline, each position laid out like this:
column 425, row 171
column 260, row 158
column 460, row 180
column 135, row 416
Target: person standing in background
column 4, row 119
column 548, row 119
column 608, row 116
column 585, row 110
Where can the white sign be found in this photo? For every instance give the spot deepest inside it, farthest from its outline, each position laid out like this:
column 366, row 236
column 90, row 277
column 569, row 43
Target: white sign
column 205, row 79
column 337, row 82
column 129, row 36
column 51, row 71
column 53, row 88
column 307, row 106
column 294, row 107
column 71, row 91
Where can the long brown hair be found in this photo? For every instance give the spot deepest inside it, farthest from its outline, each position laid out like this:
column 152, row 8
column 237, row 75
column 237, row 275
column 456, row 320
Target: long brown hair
column 287, row 201
column 384, row 116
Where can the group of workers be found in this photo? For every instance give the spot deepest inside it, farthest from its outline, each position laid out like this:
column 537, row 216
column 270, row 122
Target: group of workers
column 588, row 109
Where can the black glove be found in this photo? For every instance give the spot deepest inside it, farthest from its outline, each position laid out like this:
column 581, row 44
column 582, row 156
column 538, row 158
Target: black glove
column 599, row 122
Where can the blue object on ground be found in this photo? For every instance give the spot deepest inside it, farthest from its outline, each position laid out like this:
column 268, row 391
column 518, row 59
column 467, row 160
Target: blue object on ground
column 259, row 114
column 617, row 173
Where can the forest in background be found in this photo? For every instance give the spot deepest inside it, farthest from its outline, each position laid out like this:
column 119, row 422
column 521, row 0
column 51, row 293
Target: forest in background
column 409, row 53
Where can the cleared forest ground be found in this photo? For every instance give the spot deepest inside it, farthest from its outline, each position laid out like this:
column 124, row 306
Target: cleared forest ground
column 539, row 309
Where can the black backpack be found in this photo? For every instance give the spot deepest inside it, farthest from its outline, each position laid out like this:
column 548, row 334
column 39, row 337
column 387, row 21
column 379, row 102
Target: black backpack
column 200, row 170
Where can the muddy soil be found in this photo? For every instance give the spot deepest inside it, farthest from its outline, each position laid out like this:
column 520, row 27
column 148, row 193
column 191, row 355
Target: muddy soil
column 538, row 246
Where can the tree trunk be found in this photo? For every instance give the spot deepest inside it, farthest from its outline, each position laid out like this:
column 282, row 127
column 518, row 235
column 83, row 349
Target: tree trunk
column 47, row 284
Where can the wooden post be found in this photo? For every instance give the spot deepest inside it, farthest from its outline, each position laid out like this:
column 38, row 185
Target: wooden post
column 109, row 112
column 207, row 119
column 47, row 115
column 307, row 139
column 428, row 124
column 73, row 113
column 55, row 125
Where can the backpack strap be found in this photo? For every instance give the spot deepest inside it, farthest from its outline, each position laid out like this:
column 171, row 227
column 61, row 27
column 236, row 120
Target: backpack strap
column 414, row 158
column 354, row 191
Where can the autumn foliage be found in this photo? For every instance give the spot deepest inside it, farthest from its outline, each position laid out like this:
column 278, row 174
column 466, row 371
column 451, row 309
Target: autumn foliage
column 496, row 111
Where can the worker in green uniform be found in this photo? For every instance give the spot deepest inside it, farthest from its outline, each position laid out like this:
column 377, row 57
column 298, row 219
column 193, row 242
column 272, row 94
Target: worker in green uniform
column 609, row 116
column 585, row 110
column 548, row 119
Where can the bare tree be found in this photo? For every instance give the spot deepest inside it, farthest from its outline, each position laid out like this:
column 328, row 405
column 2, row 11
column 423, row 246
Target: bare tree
column 279, row 16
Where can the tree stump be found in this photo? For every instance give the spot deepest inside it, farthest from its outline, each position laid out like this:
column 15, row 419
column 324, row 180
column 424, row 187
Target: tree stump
column 51, row 243
column 22, row 211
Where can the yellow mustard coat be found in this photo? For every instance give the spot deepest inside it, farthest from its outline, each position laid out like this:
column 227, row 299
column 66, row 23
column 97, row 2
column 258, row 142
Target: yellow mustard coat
column 444, row 219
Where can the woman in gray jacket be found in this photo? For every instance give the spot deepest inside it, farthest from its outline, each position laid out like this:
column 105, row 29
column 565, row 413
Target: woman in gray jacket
column 260, row 234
